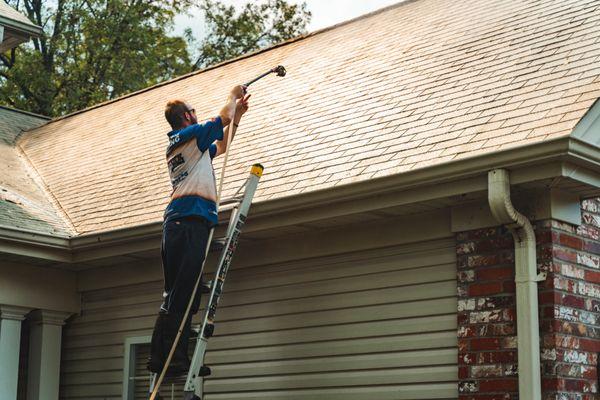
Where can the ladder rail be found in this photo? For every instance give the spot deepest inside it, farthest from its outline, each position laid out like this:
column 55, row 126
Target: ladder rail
column 194, row 382
column 198, row 357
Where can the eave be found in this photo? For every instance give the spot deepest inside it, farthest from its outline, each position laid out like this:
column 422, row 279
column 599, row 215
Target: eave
column 566, row 162
column 25, row 29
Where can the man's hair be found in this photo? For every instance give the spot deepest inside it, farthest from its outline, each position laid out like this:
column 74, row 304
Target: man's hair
column 174, row 113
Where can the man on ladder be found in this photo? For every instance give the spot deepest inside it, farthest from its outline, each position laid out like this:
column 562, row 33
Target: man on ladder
column 188, row 219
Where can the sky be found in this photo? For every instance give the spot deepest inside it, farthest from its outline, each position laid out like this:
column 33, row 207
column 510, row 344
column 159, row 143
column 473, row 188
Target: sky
column 324, row 13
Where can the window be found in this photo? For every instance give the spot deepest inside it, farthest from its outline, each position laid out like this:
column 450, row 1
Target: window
column 136, row 378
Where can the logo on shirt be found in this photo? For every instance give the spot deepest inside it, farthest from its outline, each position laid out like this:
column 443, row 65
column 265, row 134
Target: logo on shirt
column 178, row 179
column 176, row 162
column 173, row 139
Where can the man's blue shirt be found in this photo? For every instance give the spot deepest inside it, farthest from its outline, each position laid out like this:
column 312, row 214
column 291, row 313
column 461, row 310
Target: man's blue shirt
column 205, row 134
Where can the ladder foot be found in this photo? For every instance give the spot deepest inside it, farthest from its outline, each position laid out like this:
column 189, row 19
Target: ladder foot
column 204, row 371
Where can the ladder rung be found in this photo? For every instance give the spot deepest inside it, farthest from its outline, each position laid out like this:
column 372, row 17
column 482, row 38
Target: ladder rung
column 218, row 244
column 231, row 200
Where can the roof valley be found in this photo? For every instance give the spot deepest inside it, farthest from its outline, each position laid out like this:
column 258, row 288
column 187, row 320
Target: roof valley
column 37, row 179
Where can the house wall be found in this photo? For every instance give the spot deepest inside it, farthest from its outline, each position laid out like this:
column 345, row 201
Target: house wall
column 38, row 287
column 569, row 309
column 365, row 319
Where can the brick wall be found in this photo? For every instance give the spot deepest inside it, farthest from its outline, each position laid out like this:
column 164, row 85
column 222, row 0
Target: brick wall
column 569, row 310
column 486, row 315
column 570, row 306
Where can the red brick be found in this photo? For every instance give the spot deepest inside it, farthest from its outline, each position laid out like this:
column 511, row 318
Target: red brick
column 509, row 287
column 494, row 244
column 463, row 372
column 571, row 385
column 550, row 384
column 545, row 253
column 484, row 344
column 565, row 255
column 464, row 345
column 544, row 236
column 479, row 261
column 592, row 276
column 495, row 274
column 505, row 329
column 591, row 247
column 571, row 301
column 496, row 357
column 484, row 289
column 572, row 346
column 547, row 312
column 548, row 297
column 499, row 385
column 591, row 345
column 570, row 241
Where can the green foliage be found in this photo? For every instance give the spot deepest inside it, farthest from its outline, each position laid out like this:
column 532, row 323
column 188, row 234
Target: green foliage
column 91, row 51
column 97, row 50
column 257, row 25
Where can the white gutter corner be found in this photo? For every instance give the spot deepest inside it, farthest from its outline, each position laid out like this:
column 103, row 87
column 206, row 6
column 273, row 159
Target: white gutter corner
column 526, row 278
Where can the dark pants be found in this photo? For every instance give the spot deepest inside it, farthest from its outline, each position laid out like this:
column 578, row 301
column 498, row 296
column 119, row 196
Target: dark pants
column 182, row 250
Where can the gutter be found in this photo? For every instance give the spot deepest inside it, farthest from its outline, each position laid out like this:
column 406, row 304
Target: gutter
column 517, row 159
column 526, row 278
column 25, row 236
column 454, row 170
column 21, row 27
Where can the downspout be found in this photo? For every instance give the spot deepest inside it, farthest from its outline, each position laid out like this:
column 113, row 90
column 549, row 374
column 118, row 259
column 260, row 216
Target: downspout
column 526, row 278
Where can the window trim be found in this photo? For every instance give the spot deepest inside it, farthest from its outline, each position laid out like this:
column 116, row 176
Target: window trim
column 129, row 358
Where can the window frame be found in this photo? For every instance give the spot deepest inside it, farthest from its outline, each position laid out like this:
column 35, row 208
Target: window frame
column 129, row 357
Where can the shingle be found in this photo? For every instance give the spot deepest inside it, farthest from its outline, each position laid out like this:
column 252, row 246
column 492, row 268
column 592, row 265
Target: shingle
column 453, row 80
column 24, row 203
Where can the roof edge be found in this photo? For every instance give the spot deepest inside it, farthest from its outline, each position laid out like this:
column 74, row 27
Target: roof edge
column 233, row 60
column 29, row 29
column 588, row 127
column 19, row 111
column 560, row 149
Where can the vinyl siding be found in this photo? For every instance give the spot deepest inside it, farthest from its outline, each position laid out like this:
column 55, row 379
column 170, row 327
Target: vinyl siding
column 375, row 324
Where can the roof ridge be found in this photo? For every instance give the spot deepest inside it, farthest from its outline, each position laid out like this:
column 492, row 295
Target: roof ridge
column 38, row 180
column 241, row 57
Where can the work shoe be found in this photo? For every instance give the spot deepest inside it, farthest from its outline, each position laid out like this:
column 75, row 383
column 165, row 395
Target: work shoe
column 165, row 332
column 205, row 287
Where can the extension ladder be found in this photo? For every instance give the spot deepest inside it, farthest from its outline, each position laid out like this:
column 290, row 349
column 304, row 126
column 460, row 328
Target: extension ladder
column 193, row 389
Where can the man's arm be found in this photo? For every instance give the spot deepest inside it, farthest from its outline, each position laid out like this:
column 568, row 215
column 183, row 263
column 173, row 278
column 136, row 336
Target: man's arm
column 240, row 105
column 226, row 112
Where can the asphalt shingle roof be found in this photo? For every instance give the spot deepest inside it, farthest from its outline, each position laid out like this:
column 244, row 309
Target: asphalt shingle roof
column 24, row 203
column 417, row 84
